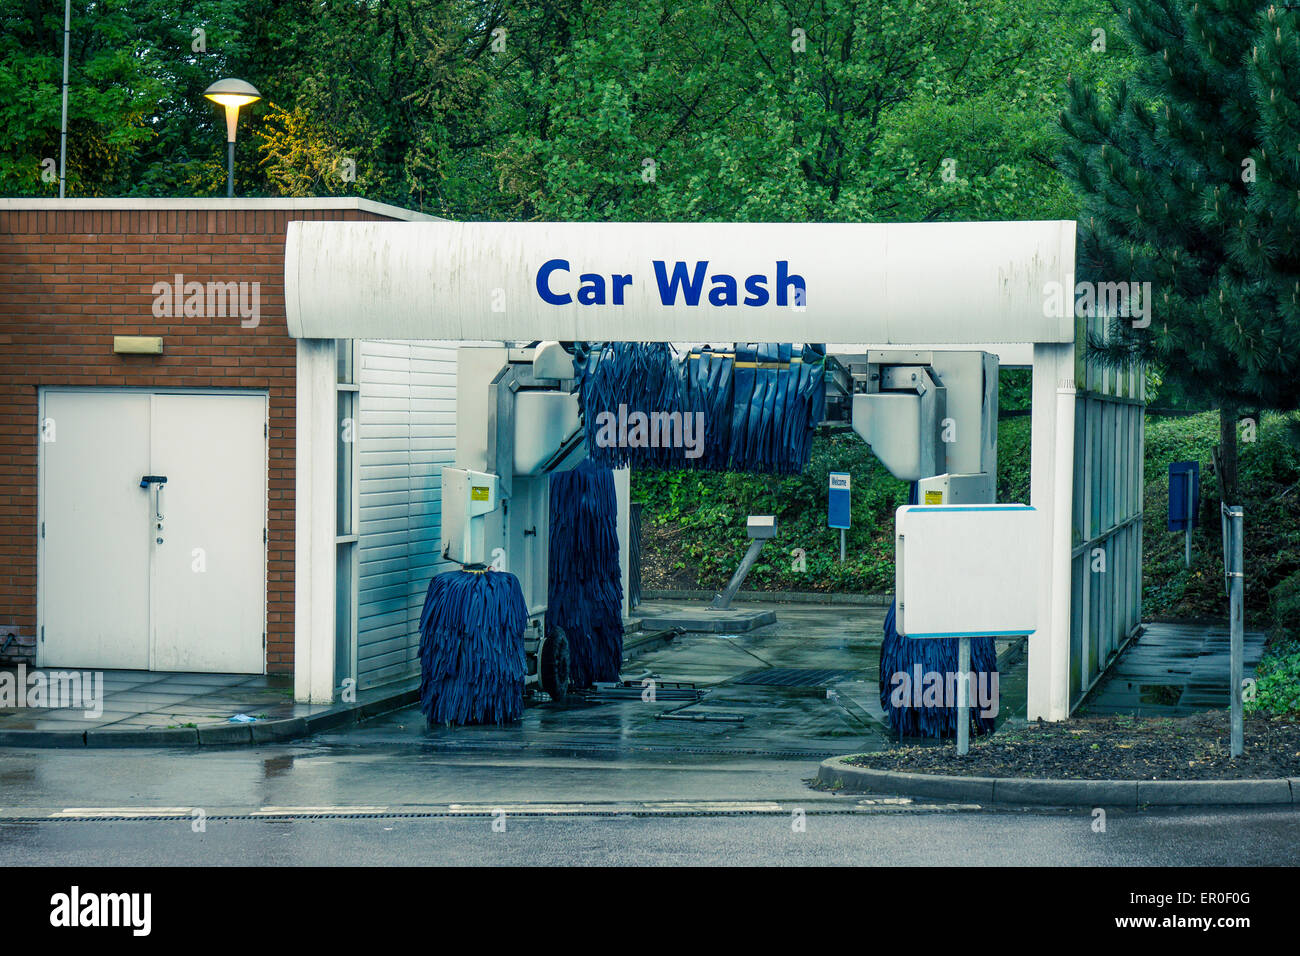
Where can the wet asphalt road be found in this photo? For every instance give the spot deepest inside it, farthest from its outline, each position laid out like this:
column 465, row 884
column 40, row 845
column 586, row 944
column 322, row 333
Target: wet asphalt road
column 582, row 783
column 881, row 837
column 636, row 807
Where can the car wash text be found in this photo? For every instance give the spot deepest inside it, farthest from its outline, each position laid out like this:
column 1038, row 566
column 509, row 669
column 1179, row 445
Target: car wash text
column 688, row 285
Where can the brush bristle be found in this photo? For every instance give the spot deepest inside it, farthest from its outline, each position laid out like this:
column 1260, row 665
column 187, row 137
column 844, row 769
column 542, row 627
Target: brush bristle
column 472, row 648
column 585, row 586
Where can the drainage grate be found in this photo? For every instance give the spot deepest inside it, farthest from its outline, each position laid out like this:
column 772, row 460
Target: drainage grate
column 794, row 677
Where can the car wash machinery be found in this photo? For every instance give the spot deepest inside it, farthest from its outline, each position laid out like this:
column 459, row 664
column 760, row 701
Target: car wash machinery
column 929, row 416
column 517, row 422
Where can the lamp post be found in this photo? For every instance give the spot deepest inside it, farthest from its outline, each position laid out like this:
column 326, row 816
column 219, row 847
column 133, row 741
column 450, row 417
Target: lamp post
column 232, row 94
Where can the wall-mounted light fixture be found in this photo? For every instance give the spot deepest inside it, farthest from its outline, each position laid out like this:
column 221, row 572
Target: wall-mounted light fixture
column 138, row 344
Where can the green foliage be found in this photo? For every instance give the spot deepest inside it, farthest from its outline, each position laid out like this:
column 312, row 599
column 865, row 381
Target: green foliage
column 1188, row 175
column 1284, row 608
column 1277, row 682
column 1269, row 490
column 1013, row 459
column 1015, row 389
column 700, row 518
column 848, row 111
column 137, row 120
column 738, row 110
column 697, row 519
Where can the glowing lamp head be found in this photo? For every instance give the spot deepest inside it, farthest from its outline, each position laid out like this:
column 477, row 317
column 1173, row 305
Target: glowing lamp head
column 232, row 94
column 232, row 99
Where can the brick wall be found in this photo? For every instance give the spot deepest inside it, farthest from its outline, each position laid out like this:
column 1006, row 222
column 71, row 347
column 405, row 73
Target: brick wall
column 72, row 279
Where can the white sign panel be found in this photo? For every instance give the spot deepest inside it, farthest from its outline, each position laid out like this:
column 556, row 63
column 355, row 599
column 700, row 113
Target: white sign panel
column 894, row 283
column 967, row 570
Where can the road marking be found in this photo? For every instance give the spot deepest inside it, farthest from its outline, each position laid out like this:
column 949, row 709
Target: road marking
column 122, row 812
column 885, row 801
column 320, row 811
column 663, row 806
column 735, row 806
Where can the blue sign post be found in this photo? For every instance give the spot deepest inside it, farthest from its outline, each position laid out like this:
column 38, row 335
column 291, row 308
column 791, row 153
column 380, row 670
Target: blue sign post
column 1184, row 500
column 837, row 507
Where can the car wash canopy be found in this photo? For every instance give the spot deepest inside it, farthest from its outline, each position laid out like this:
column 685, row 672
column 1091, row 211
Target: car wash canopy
column 896, row 283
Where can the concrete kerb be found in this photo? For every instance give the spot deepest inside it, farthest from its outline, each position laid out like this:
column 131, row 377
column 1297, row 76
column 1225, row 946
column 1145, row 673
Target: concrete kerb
column 218, row 735
column 838, row 774
column 777, row 597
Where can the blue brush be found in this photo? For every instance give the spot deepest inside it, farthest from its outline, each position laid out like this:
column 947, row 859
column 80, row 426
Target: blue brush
column 903, row 656
column 585, row 586
column 760, row 403
column 472, row 648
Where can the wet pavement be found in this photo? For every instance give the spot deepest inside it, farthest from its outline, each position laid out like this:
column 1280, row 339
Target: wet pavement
column 143, row 700
column 831, row 654
column 1172, row 670
column 805, row 686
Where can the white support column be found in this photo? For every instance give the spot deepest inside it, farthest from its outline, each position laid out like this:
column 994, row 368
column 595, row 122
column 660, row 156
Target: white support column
column 1051, row 492
column 623, row 491
column 314, row 522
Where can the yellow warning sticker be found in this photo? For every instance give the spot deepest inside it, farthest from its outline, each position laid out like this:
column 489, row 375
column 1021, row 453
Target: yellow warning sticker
column 934, row 497
column 478, row 492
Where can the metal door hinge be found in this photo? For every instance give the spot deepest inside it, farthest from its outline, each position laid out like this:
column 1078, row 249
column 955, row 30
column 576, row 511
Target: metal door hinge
column 42, row 633
column 264, row 538
column 42, row 529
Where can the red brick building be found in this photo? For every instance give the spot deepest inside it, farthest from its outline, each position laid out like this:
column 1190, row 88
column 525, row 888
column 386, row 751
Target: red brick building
column 87, row 285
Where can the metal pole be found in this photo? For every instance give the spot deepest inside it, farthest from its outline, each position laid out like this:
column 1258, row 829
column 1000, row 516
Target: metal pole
column 230, row 175
column 722, row 602
column 963, row 696
column 63, row 126
column 1237, row 522
column 1190, row 509
column 841, row 545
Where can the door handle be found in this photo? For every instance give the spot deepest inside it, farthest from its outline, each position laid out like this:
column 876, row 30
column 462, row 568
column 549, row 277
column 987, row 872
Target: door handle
column 157, row 481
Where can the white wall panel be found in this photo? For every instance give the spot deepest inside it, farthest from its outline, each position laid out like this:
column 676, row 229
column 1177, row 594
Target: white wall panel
column 405, row 433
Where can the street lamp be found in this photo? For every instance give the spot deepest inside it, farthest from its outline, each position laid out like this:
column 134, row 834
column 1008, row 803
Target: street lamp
column 232, row 94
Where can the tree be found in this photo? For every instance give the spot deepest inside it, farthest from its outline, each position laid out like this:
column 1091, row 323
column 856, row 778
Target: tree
column 112, row 93
column 1168, row 167
column 806, row 111
column 793, row 110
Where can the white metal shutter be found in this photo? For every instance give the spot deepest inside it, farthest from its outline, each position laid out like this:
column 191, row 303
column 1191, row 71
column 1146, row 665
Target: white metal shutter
column 406, row 423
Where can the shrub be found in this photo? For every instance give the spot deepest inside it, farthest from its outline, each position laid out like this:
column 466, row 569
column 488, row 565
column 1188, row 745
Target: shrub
column 1277, row 682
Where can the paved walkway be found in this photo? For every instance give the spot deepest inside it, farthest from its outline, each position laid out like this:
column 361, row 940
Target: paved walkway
column 118, row 707
column 138, row 700
column 1172, row 670
column 804, row 686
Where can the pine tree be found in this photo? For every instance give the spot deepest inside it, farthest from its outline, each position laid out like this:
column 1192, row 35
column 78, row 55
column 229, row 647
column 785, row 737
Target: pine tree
column 1180, row 170
column 1267, row 246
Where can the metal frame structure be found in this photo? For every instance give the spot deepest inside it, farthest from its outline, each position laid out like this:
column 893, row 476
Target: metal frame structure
column 1106, row 552
column 963, row 285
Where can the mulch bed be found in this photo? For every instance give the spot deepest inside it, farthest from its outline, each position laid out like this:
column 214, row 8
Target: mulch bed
column 1111, row 748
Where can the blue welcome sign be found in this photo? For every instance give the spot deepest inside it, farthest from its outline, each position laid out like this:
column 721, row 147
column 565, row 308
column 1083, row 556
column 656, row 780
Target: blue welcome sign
column 1184, row 495
column 838, row 506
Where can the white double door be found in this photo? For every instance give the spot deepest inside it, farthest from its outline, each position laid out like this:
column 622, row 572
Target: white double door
column 140, row 574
